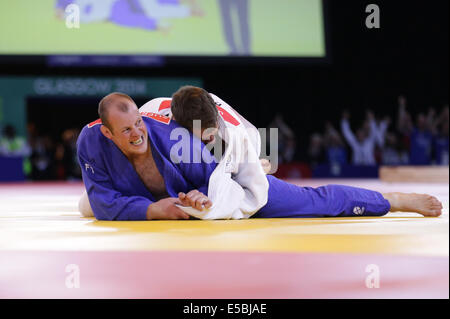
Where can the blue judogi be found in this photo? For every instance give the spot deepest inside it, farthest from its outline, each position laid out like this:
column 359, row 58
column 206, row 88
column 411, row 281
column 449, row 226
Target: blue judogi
column 116, row 192
column 292, row 201
column 114, row 188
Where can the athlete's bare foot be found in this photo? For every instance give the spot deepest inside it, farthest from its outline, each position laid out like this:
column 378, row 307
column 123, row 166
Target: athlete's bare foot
column 426, row 205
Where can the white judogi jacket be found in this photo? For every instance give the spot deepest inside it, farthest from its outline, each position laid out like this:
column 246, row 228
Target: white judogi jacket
column 238, row 187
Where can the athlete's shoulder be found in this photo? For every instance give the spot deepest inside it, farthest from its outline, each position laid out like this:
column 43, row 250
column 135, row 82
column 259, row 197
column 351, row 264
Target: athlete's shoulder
column 159, row 126
column 156, row 105
column 92, row 128
column 216, row 99
column 227, row 113
column 90, row 136
column 152, row 118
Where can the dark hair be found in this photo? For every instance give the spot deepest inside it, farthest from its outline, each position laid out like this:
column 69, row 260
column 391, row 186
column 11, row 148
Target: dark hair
column 109, row 101
column 191, row 103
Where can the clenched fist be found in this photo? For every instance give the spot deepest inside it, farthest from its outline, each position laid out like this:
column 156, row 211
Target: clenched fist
column 195, row 199
column 166, row 209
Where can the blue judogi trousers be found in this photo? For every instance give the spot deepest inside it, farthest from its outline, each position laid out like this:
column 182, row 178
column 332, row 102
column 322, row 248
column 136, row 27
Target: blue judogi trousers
column 292, row 201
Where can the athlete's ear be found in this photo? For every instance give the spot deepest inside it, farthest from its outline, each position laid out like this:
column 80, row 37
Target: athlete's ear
column 106, row 132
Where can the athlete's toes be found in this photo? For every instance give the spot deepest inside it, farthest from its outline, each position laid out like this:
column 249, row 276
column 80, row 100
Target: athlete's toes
column 437, row 204
column 436, row 210
column 432, row 201
column 437, row 213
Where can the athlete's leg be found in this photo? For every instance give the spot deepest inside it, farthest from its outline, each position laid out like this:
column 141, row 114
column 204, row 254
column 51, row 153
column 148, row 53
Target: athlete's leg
column 242, row 10
column 288, row 200
column 227, row 24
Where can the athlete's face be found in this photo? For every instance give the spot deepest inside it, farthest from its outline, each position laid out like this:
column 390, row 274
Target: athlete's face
column 129, row 131
column 206, row 134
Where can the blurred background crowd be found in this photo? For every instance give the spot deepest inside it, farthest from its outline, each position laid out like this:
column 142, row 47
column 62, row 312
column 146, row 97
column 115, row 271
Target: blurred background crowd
column 376, row 139
column 406, row 139
column 45, row 157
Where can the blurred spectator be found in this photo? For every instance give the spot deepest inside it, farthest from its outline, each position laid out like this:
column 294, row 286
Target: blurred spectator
column 421, row 141
column 316, row 151
column 287, row 141
column 418, row 138
column 336, row 152
column 379, row 128
column 289, row 152
column 393, row 152
column 363, row 144
column 42, row 155
column 42, row 159
column 66, row 156
column 404, row 123
column 441, row 145
column 13, row 145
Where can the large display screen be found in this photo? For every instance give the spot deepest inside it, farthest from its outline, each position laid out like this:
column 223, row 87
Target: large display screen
column 249, row 28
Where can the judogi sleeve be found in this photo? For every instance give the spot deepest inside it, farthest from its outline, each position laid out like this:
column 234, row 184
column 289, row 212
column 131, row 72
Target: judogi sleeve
column 106, row 202
column 242, row 195
column 196, row 163
column 238, row 187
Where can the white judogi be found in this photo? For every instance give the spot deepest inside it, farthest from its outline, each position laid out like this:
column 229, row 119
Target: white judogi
column 238, row 187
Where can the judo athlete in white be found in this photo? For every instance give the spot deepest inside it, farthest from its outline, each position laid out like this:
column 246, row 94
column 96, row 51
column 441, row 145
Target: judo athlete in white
column 240, row 189
column 284, row 199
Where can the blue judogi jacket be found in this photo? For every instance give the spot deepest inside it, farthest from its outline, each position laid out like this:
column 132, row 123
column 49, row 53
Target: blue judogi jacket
column 113, row 186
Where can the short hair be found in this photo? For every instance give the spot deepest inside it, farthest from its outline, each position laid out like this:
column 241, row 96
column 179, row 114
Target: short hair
column 111, row 100
column 191, row 103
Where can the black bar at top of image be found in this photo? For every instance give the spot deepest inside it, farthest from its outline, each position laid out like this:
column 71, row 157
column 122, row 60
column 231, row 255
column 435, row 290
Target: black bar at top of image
column 223, row 308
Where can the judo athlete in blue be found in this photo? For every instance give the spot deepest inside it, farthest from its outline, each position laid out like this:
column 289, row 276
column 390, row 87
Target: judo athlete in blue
column 127, row 174
column 130, row 173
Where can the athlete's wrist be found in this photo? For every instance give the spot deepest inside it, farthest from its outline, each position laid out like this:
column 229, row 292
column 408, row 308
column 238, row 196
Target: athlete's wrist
column 150, row 212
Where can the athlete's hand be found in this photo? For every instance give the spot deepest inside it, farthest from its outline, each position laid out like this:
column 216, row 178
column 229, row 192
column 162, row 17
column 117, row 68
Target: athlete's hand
column 166, row 209
column 265, row 165
column 195, row 199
